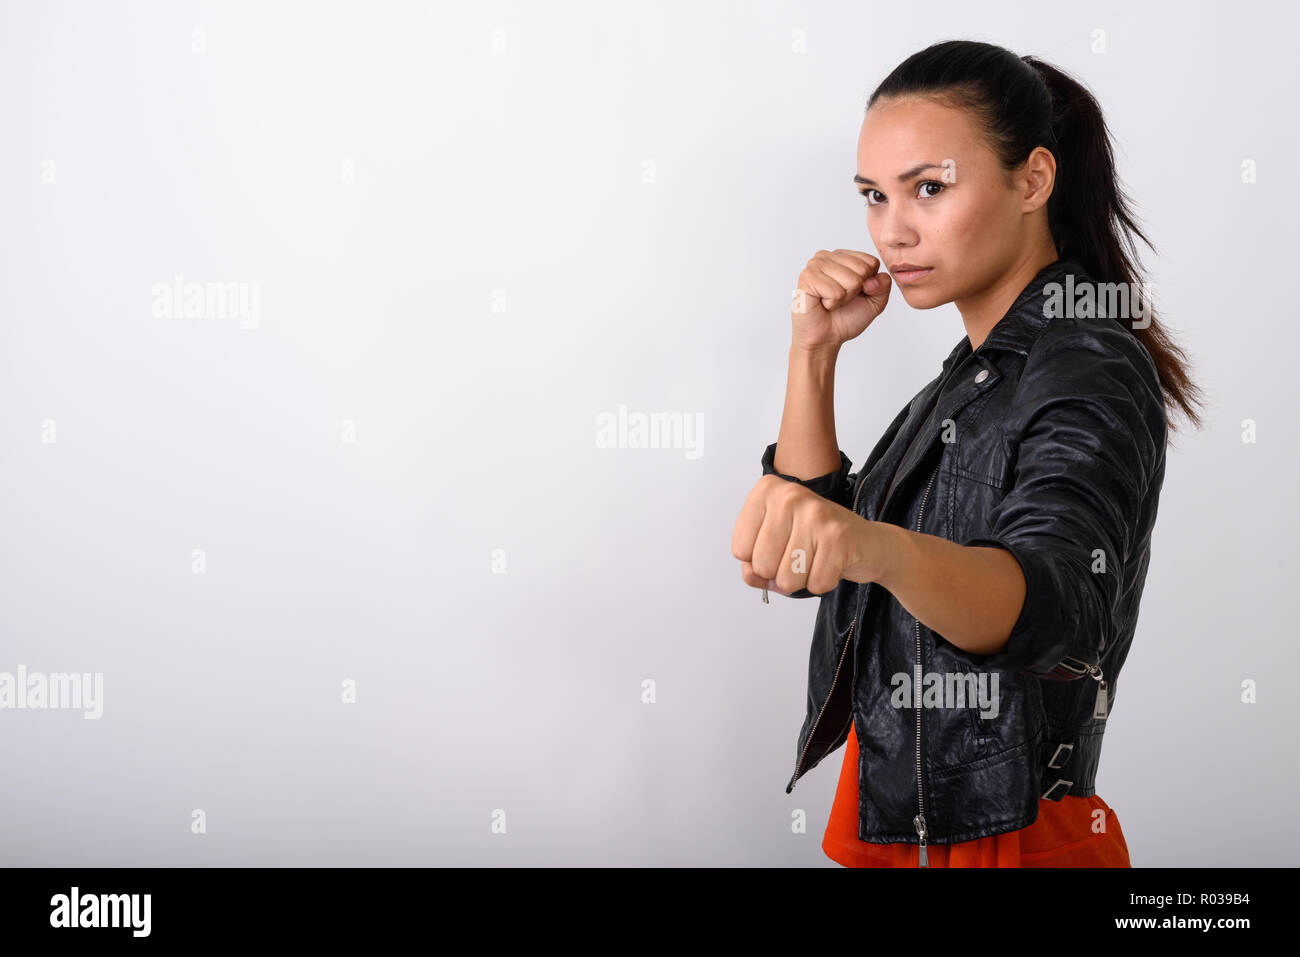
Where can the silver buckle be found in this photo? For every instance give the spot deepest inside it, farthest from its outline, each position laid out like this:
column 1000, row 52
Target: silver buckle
column 1083, row 669
column 1067, row 748
column 1054, row 785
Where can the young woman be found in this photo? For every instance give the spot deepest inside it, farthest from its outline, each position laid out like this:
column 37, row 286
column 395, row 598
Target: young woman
column 980, row 575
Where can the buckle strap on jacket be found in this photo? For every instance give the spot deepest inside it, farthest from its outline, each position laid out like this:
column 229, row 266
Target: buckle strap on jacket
column 1060, row 787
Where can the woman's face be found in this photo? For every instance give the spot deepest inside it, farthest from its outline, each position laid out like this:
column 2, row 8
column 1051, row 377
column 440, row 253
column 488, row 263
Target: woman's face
column 938, row 198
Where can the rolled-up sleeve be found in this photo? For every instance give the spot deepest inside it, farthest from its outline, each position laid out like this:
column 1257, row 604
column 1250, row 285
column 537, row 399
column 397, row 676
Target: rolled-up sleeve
column 836, row 486
column 1091, row 428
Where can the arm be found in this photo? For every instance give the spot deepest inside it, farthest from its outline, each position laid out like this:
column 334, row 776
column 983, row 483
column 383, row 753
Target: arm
column 806, row 446
column 838, row 295
column 970, row 596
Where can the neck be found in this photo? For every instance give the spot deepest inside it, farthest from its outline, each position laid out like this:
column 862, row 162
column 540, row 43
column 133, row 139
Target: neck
column 982, row 311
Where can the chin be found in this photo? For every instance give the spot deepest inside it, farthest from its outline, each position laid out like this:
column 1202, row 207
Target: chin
column 923, row 298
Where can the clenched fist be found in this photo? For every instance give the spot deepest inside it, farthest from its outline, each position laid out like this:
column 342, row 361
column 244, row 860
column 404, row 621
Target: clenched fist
column 838, row 294
column 790, row 535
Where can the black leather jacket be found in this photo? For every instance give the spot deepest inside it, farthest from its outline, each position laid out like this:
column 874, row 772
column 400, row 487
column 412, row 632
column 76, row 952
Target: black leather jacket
column 1054, row 449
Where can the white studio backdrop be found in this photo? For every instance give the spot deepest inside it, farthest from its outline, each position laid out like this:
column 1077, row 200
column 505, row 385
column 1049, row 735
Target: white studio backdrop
column 328, row 330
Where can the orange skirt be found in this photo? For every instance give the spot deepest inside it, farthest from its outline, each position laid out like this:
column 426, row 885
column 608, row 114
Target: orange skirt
column 1067, row 833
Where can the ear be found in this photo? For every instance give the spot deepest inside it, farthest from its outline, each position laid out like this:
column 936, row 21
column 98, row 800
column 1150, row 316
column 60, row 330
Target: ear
column 1035, row 179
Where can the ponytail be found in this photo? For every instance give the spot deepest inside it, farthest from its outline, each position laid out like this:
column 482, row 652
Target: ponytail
column 1023, row 103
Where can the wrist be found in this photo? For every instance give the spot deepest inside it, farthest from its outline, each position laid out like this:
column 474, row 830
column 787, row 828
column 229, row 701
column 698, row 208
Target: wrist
column 879, row 553
column 822, row 356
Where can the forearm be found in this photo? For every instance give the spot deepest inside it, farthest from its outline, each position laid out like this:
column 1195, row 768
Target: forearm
column 971, row 596
column 806, row 446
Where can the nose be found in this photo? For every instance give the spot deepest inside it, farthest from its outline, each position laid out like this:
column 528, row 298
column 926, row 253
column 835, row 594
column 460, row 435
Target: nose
column 894, row 228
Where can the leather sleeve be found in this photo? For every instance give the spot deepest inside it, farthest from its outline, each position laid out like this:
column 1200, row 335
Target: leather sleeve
column 1091, row 425
column 836, row 486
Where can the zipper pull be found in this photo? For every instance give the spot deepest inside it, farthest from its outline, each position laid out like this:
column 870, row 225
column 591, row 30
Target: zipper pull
column 923, row 858
column 1102, row 707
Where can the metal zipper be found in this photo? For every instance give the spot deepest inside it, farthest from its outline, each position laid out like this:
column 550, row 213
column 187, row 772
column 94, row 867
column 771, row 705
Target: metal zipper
column 848, row 643
column 843, row 654
column 923, row 859
column 1102, row 706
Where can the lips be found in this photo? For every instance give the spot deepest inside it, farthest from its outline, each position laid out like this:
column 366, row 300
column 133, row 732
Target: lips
column 909, row 272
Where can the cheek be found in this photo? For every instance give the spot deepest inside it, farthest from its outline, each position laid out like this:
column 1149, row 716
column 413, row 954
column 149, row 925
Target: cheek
column 957, row 226
column 970, row 221
column 969, row 234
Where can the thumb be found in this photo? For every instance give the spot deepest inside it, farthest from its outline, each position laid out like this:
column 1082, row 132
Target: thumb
column 877, row 287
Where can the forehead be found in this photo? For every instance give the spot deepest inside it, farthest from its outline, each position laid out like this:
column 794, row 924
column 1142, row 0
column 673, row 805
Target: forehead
column 897, row 134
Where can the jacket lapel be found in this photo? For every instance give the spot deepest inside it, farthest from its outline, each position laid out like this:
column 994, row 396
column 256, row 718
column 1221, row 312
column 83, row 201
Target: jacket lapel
column 905, row 456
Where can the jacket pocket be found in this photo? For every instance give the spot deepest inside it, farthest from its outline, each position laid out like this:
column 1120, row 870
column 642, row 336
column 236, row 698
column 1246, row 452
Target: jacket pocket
column 971, row 497
column 1018, row 712
column 1008, row 711
column 967, row 689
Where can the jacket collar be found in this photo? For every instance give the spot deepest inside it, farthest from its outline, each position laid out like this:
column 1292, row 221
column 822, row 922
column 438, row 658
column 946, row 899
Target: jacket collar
column 1024, row 321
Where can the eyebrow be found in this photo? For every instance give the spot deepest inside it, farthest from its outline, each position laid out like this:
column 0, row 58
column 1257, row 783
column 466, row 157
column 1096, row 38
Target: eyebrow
column 903, row 177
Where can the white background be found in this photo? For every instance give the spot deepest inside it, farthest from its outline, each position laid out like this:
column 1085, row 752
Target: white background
column 640, row 186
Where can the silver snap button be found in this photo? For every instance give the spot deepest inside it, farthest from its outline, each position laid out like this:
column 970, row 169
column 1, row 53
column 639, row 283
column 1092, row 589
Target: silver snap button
column 984, row 374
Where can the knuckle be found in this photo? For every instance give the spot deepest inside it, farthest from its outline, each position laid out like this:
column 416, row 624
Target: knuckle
column 776, row 486
column 821, row 585
column 792, row 494
column 833, row 533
